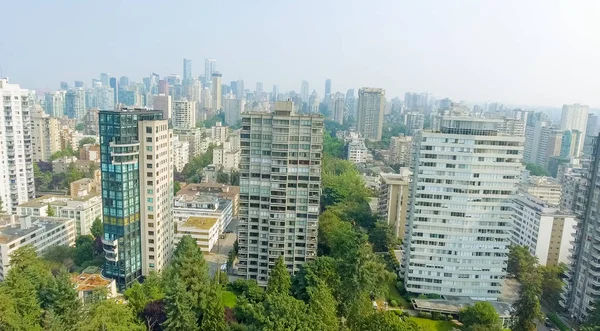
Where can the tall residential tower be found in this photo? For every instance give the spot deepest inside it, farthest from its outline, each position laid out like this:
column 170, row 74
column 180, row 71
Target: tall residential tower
column 371, row 103
column 280, row 188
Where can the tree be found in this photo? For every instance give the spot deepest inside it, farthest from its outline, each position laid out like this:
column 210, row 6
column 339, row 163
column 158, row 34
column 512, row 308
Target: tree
column 140, row 295
column 249, row 289
column 154, row 315
column 84, row 249
column 332, row 146
column 24, row 302
column 97, row 229
column 386, row 321
column 536, row 170
column 214, row 315
column 188, row 264
column 382, row 237
column 482, row 314
column 279, row 279
column 176, row 188
column 520, row 261
column 10, row 318
column 322, row 308
column 277, row 312
column 528, row 310
column 222, row 177
column 109, row 315
column 179, row 307
column 25, row 264
column 86, row 140
column 359, row 311
column 323, row 269
column 80, row 127
column 51, row 211
column 65, row 301
column 552, row 284
column 60, row 254
column 234, row 178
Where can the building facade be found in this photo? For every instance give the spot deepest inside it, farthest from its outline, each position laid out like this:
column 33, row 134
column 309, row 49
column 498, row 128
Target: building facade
column 184, row 115
column 547, row 232
column 16, row 169
column 371, row 104
column 45, row 137
column 137, row 186
column 393, row 201
column 464, row 175
column 280, row 188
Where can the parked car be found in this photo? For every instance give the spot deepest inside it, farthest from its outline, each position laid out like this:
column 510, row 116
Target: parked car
column 548, row 323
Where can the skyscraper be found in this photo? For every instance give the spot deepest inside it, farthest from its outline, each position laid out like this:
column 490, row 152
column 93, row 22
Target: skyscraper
column 163, row 103
column 275, row 93
column 259, row 87
column 371, row 103
column 124, row 82
column 232, row 108
column 64, row 86
column 537, row 135
column 350, row 105
column 464, row 175
column 574, row 117
column 217, row 92
column 187, row 71
column 304, row 91
column 16, row 169
column 581, row 293
column 313, row 103
column 75, row 103
column 337, row 111
column 55, row 104
column 136, row 192
column 78, row 83
column 279, row 191
column 114, row 85
column 327, row 89
column 241, row 93
column 210, row 66
column 104, row 78
column 184, row 114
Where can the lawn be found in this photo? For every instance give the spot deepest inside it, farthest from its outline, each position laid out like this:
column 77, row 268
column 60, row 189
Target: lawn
column 393, row 294
column 431, row 325
column 229, row 299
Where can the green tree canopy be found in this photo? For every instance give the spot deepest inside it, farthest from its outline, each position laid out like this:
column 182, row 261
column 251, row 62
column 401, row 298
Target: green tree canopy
column 180, row 305
column 86, row 140
column 97, row 229
column 536, row 170
column 279, row 279
column 481, row 313
column 109, row 315
column 528, row 310
column 520, row 261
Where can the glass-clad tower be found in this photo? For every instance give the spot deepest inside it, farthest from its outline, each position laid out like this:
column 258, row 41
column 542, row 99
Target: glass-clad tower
column 119, row 153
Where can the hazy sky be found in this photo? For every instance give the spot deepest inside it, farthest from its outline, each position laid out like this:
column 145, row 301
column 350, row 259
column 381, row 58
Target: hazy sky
column 514, row 51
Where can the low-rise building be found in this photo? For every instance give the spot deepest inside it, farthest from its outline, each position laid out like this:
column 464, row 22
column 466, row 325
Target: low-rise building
column 203, row 205
column 547, row 189
column 548, row 232
column 226, row 157
column 90, row 152
column 205, row 230
column 40, row 232
column 83, row 187
column 84, row 210
column 393, row 200
column 62, row 164
column 226, row 192
column 210, row 173
column 181, row 153
column 90, row 283
column 357, row 151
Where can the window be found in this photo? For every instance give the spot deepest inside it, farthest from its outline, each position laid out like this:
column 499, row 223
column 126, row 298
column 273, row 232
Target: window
column 148, row 129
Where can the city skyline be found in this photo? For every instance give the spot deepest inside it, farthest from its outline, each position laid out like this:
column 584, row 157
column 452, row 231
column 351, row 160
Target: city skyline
column 520, row 53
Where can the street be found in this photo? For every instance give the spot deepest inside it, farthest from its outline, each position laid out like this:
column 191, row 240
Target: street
column 219, row 253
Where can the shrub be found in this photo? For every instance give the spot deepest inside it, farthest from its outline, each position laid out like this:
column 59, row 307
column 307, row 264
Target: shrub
column 394, row 303
column 436, row 316
column 433, row 296
column 450, row 318
column 422, row 296
column 398, row 313
column 423, row 314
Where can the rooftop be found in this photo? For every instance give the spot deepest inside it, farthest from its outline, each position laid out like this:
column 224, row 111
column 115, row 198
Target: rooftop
column 224, row 191
column 11, row 229
column 90, row 279
column 56, row 200
column 455, row 304
column 202, row 223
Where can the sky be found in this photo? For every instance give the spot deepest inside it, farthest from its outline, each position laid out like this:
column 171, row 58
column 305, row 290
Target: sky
column 512, row 51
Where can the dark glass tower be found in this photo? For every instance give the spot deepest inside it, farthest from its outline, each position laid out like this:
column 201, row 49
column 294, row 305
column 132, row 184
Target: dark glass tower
column 119, row 156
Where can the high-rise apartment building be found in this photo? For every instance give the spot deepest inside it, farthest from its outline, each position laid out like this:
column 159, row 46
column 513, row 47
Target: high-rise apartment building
column 135, row 151
column 304, row 91
column 582, row 289
column 233, row 109
column 184, row 115
column 16, row 168
column 187, row 71
column 400, row 150
column 105, row 79
column 414, row 121
column 124, row 82
column 464, row 175
column 259, row 87
column 55, row 103
column 75, row 103
column 393, row 201
column 313, row 103
column 338, row 108
column 327, row 88
column 350, row 105
column 45, row 137
column 371, row 103
column 210, row 66
column 217, row 90
column 537, row 137
column 114, row 84
column 163, row 102
column 571, row 144
column 574, row 117
column 280, row 187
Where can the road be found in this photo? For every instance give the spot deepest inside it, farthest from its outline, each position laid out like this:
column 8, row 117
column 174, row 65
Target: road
column 219, row 253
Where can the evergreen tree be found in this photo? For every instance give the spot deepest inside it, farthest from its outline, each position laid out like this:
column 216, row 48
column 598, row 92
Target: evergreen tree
column 109, row 315
column 51, row 211
column 179, row 308
column 214, row 315
column 528, row 310
column 97, row 229
column 322, row 307
column 481, row 314
column 65, row 303
column 23, row 295
column 189, row 265
column 279, row 279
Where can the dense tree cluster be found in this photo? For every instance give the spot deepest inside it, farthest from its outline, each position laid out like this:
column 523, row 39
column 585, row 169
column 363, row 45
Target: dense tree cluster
column 192, row 172
column 47, row 180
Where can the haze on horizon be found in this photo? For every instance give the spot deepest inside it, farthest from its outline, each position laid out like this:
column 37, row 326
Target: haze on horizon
column 515, row 52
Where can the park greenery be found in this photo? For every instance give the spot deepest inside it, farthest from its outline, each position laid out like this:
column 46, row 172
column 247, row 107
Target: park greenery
column 47, row 180
column 536, row 170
